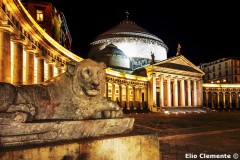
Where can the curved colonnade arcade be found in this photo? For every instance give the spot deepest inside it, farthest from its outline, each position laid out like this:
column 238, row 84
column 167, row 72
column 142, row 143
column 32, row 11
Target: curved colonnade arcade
column 221, row 96
column 27, row 53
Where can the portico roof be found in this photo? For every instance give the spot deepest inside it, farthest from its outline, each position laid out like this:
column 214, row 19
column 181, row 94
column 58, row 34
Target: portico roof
column 175, row 65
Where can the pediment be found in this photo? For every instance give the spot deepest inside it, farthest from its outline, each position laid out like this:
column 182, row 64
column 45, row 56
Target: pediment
column 179, row 63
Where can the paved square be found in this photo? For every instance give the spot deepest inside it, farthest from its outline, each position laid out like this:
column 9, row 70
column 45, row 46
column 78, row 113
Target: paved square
column 183, row 136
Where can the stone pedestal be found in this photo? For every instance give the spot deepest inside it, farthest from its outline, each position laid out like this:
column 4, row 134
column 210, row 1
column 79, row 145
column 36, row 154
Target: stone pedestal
column 22, row 134
column 124, row 147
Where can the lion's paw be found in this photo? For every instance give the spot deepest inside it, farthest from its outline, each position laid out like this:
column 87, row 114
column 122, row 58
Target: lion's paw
column 113, row 114
column 20, row 117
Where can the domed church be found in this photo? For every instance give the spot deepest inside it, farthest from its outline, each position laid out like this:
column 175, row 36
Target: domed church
column 139, row 72
column 127, row 47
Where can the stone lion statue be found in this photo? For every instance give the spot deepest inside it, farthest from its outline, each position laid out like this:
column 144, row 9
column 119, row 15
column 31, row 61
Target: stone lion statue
column 76, row 94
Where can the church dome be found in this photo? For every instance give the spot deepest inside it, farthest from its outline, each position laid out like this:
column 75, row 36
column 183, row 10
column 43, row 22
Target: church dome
column 134, row 41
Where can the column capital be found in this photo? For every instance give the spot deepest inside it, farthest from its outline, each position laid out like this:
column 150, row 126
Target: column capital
column 39, row 55
column 6, row 27
column 50, row 60
column 62, row 67
column 30, row 48
column 19, row 39
column 161, row 75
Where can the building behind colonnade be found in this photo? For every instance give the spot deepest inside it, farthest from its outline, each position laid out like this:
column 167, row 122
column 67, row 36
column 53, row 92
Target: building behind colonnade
column 221, row 88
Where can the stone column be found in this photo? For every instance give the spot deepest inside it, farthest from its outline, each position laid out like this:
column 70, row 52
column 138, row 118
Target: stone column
column 212, row 100
column 145, row 93
column 40, row 70
column 224, row 100
column 120, row 93
column 154, row 91
column 189, row 92
column 182, row 92
column 207, row 99
column 140, row 98
column 218, row 100
column 161, row 91
column 200, row 94
column 175, row 92
column 29, row 67
column 5, row 56
column 169, row 94
column 237, row 100
column 127, row 97
column 106, row 90
column 113, row 92
column 17, row 63
column 134, row 97
column 194, row 93
column 50, row 71
column 230, row 99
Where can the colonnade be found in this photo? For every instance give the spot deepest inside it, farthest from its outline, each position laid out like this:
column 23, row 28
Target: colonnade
column 175, row 91
column 27, row 53
column 128, row 96
column 20, row 64
column 222, row 98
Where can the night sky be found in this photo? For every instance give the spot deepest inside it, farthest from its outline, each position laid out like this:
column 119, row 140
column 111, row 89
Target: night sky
column 206, row 31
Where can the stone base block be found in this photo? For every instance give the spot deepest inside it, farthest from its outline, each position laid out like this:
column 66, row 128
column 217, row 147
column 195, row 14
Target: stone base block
column 131, row 147
column 21, row 134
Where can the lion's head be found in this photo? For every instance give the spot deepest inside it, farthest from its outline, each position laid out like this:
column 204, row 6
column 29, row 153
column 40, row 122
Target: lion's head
column 89, row 75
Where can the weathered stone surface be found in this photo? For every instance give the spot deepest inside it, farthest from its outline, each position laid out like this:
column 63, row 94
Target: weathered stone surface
column 131, row 147
column 18, row 134
column 76, row 94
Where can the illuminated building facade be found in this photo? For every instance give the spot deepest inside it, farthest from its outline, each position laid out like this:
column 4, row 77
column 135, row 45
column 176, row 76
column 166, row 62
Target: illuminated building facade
column 29, row 55
column 222, row 83
column 51, row 20
column 224, row 70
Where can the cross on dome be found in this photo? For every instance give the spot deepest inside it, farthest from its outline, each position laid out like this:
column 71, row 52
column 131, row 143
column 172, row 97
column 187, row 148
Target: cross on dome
column 127, row 13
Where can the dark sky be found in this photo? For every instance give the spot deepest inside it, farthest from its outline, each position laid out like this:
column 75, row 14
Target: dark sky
column 206, row 30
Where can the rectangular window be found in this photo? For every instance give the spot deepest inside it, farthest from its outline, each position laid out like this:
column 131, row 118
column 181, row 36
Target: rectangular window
column 40, row 15
column 226, row 65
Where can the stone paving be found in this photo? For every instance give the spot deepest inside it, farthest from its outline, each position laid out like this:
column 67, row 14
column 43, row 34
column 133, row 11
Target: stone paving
column 186, row 136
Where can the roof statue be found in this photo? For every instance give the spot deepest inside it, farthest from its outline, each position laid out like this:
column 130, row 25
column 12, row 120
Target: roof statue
column 153, row 58
column 178, row 50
